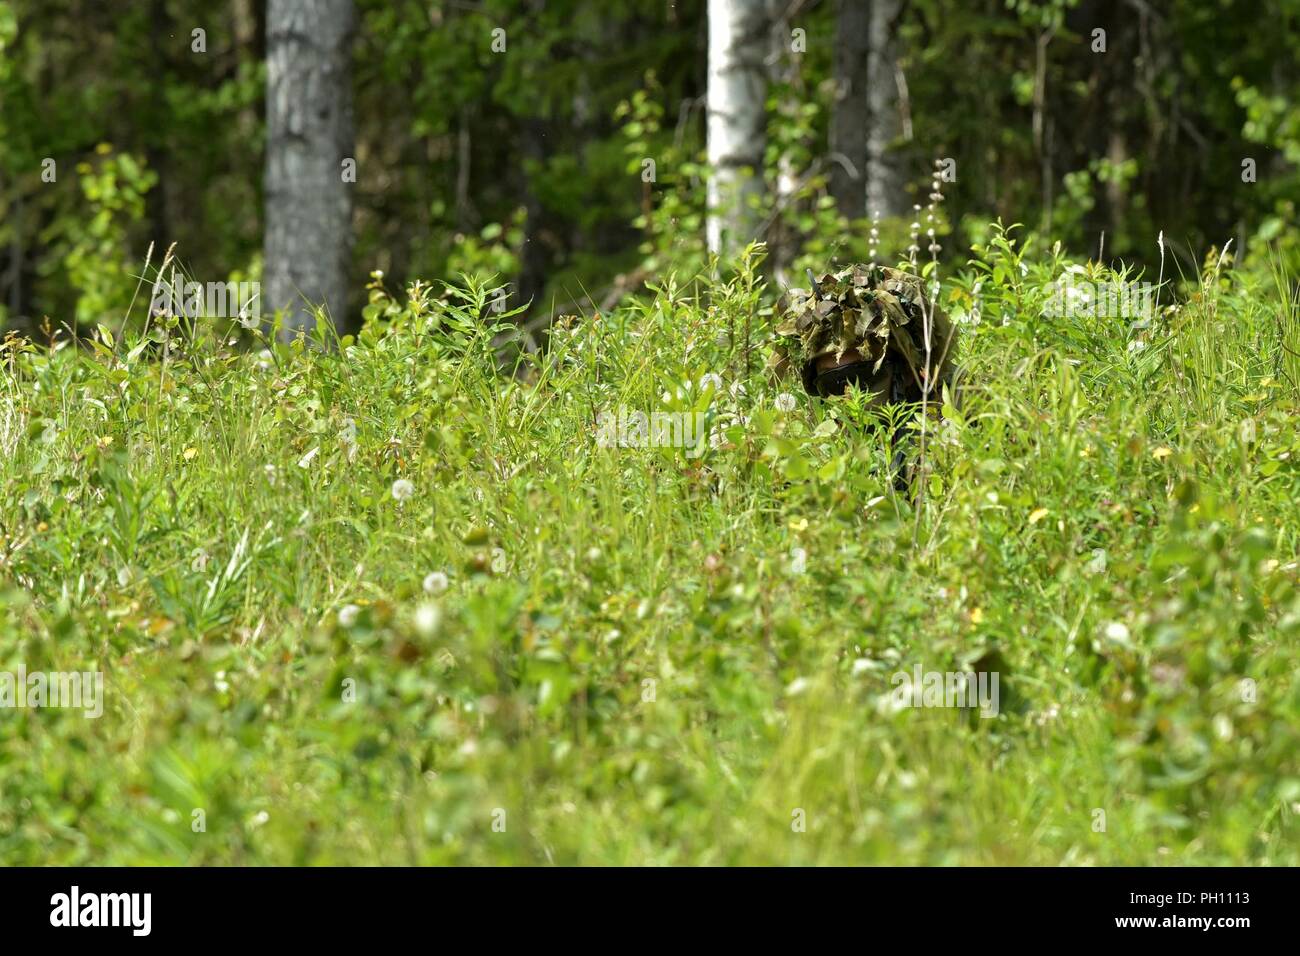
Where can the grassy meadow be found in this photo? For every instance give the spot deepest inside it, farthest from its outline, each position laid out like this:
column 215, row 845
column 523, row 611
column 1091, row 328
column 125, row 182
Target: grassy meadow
column 391, row 601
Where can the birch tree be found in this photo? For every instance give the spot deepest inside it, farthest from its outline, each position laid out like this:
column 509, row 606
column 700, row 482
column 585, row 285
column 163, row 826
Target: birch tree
column 309, row 146
column 738, row 43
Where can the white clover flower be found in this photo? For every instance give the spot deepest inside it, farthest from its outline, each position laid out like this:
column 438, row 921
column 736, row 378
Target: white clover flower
column 348, row 437
column 428, row 618
column 711, row 379
column 348, row 615
column 786, row 402
column 402, row 489
column 435, row 582
column 1117, row 631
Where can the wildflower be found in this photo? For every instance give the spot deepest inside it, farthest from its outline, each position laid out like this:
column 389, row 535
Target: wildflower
column 435, row 582
column 785, row 402
column 428, row 617
column 1117, row 632
column 402, row 489
column 711, row 379
column 348, row 615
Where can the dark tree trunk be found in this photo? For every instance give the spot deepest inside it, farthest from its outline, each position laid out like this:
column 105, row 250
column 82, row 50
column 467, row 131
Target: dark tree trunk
column 851, row 117
column 534, row 263
column 309, row 135
column 886, row 179
column 156, row 152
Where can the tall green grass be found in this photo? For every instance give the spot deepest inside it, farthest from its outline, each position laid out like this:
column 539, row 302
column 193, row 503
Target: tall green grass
column 644, row 655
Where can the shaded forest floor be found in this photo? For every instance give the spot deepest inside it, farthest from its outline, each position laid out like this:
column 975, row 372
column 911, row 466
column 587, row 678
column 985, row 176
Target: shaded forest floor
column 389, row 605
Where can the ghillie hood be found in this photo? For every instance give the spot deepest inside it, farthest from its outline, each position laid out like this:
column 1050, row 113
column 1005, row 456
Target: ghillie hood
column 878, row 311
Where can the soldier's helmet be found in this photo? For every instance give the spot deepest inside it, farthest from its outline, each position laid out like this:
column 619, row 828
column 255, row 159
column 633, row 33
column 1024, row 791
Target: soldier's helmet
column 867, row 325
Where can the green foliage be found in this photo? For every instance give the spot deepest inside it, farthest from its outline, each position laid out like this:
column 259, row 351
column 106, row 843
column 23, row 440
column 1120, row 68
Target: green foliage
column 657, row 654
column 97, row 260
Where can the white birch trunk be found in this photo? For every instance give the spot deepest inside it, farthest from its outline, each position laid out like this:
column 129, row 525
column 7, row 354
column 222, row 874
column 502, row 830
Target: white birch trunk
column 737, row 92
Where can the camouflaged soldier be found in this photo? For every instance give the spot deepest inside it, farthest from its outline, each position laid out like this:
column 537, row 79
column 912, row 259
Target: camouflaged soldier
column 866, row 325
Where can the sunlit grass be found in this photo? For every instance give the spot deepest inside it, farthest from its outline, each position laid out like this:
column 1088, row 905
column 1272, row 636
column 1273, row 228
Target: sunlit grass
column 640, row 655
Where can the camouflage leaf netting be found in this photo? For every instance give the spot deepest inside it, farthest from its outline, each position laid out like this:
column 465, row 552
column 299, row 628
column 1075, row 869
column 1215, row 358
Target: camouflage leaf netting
column 879, row 312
